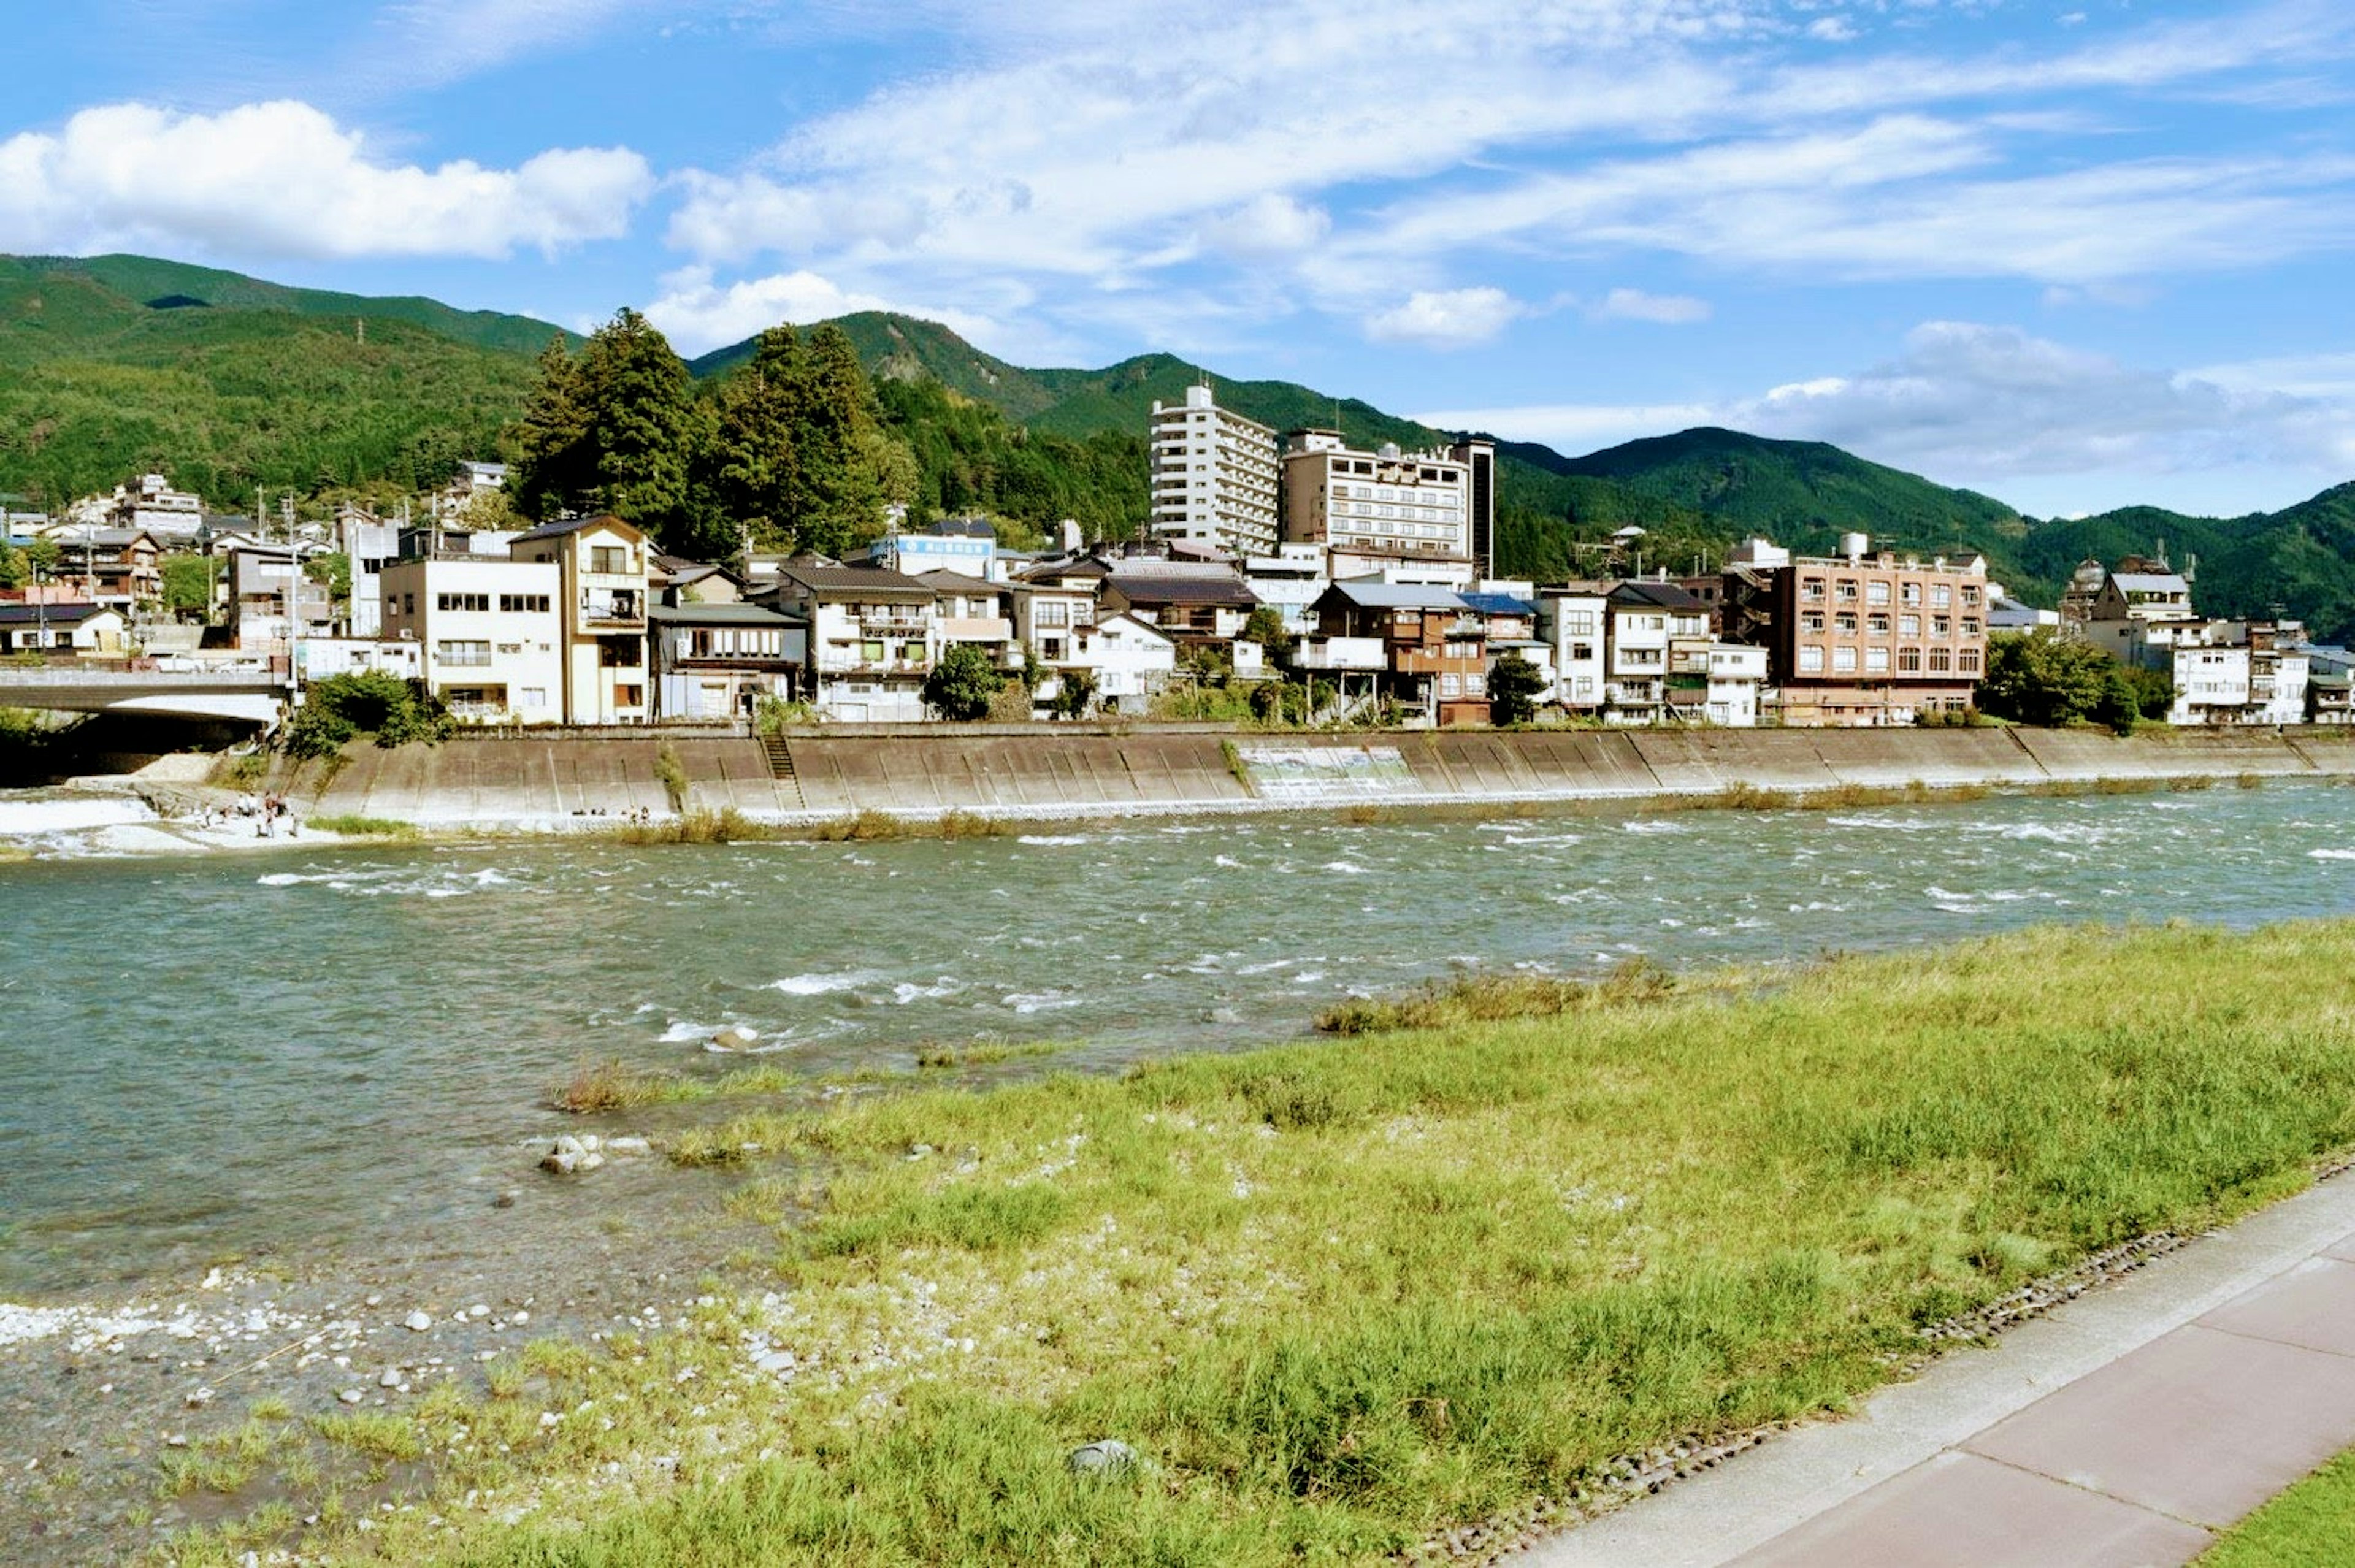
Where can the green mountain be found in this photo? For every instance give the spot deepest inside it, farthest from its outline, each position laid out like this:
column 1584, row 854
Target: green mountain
column 904, row 348
column 1701, row 489
column 110, row 365
column 178, row 286
column 257, row 386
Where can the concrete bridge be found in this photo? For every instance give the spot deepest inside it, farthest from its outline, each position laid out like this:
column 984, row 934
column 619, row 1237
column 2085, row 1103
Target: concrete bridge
column 185, row 688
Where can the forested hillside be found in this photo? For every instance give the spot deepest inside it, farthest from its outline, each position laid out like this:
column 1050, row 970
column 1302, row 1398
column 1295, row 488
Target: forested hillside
column 96, row 384
column 116, row 364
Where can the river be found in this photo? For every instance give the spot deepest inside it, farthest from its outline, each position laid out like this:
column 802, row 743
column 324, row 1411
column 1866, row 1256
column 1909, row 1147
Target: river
column 293, row 1047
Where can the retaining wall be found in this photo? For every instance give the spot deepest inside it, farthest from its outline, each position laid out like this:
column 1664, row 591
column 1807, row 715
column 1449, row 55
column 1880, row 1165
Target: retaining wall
column 563, row 779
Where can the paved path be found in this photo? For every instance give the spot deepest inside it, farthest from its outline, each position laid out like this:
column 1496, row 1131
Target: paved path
column 2122, row 1431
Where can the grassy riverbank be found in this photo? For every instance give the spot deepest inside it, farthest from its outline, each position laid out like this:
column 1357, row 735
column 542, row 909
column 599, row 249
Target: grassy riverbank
column 1340, row 1296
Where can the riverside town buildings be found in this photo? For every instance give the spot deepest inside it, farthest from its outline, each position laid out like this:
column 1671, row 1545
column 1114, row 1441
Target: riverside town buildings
column 1863, row 637
column 2224, row 672
column 1374, row 565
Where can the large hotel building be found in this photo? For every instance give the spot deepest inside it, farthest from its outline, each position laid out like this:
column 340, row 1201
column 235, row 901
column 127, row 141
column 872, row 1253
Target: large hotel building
column 1386, row 509
column 1214, row 476
column 1863, row 637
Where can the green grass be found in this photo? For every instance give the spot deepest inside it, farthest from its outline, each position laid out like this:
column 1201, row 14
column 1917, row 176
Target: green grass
column 610, row 1084
column 363, row 827
column 1341, row 1295
column 2312, row 1525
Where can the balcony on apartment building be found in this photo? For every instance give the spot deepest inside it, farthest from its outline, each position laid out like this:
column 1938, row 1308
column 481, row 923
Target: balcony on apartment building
column 1452, row 658
column 1360, row 654
column 617, row 607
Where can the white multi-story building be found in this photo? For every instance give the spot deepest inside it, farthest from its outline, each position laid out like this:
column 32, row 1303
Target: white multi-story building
column 873, row 637
column 1292, row 579
column 371, row 544
column 489, row 633
column 1572, row 620
column 148, row 502
column 1735, row 672
column 1214, row 476
column 1433, row 511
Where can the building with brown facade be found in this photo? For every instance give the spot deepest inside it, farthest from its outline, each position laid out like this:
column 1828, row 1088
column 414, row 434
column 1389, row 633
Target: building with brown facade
column 1430, row 649
column 1866, row 638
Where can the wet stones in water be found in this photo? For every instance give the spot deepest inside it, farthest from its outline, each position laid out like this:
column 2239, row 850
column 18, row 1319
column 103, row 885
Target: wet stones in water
column 572, row 1156
column 1109, row 1457
column 736, row 1037
column 418, row 1322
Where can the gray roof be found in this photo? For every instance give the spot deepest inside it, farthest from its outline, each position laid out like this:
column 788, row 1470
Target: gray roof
column 2149, row 582
column 1369, row 594
column 558, row 529
column 958, row 582
column 857, row 582
column 719, row 615
column 1659, row 595
column 1154, row 588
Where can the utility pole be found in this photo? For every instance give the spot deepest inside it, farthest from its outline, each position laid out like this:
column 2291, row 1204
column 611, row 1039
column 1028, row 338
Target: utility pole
column 293, row 597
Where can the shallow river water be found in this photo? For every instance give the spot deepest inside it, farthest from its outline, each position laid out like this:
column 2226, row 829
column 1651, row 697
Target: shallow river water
column 297, row 1048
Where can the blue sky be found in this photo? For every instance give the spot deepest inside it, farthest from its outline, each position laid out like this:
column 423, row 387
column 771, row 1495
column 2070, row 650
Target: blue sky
column 2076, row 253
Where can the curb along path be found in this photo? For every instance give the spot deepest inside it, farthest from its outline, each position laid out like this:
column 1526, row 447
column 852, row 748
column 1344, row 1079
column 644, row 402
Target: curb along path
column 2127, row 1428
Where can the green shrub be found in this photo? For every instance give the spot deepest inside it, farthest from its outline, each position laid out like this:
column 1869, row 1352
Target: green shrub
column 377, row 703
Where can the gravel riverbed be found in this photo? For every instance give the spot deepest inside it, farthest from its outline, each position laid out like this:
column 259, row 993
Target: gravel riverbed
column 99, row 1394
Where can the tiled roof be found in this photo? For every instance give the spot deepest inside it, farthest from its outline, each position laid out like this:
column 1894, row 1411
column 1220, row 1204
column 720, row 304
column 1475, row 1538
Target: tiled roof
column 1154, row 588
column 718, row 615
column 1660, row 595
column 857, row 582
column 53, row 615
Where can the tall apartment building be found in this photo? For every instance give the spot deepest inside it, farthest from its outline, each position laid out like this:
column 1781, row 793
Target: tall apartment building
column 1374, row 510
column 1214, row 476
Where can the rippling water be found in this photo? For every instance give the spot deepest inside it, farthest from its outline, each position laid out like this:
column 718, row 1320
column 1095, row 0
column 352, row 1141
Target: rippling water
column 293, row 1048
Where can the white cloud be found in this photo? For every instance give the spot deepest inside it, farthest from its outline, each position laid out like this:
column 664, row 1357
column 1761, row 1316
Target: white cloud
column 1904, row 197
column 697, row 314
column 1980, row 405
column 1339, row 156
column 1446, row 318
column 283, row 179
column 1269, row 225
column 1665, row 310
column 1992, row 400
column 443, row 40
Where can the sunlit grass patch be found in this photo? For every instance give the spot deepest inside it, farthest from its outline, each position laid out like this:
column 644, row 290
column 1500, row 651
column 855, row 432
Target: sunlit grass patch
column 1337, row 1295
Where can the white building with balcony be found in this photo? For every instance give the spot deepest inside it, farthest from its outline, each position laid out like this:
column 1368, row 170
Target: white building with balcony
column 967, row 610
column 872, row 639
column 1214, row 476
column 602, row 601
column 1572, row 621
column 488, row 634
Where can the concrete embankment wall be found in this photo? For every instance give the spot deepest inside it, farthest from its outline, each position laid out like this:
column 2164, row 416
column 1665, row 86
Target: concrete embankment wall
column 1070, row 771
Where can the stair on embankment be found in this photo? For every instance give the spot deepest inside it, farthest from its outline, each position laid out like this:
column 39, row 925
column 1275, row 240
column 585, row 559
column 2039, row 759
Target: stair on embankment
column 781, row 768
